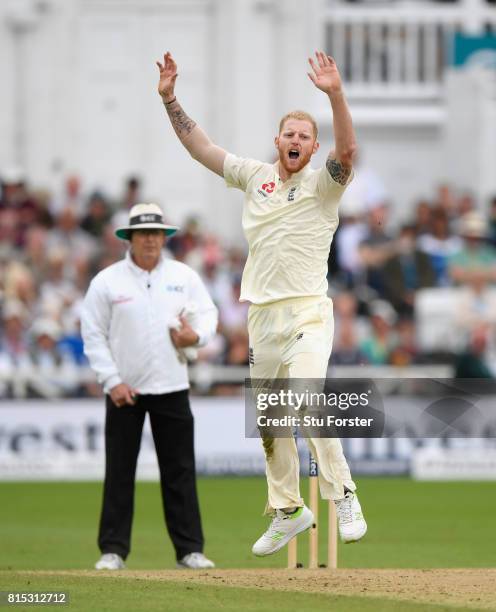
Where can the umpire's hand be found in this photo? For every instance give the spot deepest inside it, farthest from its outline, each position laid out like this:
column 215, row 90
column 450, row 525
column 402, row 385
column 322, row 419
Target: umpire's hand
column 123, row 394
column 184, row 336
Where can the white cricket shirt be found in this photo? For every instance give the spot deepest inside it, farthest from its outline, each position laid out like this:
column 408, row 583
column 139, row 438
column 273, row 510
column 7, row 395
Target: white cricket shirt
column 289, row 228
column 125, row 324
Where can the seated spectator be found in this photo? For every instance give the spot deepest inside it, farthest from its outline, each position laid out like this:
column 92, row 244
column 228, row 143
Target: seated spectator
column 97, row 216
column 17, row 199
column 405, row 351
column 54, row 373
column 440, row 245
column 71, row 196
column 472, row 362
column 185, row 241
column 132, row 193
column 345, row 306
column 206, row 250
column 44, row 218
column 422, row 217
column 233, row 313
column 71, row 349
column 351, row 233
column 10, row 234
column 81, row 274
column 35, row 251
column 217, row 281
column 477, row 258
column 19, row 286
column 111, row 250
column 68, row 235
column 58, row 291
column 13, row 341
column 15, row 364
column 237, row 346
column 377, row 247
column 476, row 304
column 366, row 192
column 131, row 196
column 70, row 340
column 445, row 200
column 236, row 258
column 346, row 350
column 377, row 347
column 407, row 271
column 465, row 204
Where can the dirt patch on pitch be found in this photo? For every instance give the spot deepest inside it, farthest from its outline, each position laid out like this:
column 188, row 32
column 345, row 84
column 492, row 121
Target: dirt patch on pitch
column 474, row 588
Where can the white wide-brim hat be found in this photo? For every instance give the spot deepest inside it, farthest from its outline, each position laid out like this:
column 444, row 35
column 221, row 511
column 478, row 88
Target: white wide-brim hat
column 145, row 216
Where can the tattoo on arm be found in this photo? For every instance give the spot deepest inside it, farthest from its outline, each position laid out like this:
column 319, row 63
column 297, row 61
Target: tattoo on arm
column 338, row 172
column 182, row 124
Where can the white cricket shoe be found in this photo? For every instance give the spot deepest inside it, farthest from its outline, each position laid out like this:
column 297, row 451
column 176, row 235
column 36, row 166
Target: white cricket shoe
column 283, row 528
column 110, row 561
column 352, row 525
column 195, row 560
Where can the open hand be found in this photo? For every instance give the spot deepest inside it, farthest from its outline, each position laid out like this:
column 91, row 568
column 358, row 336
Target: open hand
column 168, row 76
column 325, row 75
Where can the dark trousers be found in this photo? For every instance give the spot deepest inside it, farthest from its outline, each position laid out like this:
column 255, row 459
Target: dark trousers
column 172, row 428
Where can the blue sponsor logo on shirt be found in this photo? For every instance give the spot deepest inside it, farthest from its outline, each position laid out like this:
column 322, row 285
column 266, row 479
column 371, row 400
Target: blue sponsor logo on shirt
column 176, row 288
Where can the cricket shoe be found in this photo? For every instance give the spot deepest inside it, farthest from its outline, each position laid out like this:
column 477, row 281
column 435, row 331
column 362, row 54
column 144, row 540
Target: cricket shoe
column 282, row 529
column 110, row 561
column 352, row 525
column 195, row 560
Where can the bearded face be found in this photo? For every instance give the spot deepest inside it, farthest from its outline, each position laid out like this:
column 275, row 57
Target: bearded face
column 296, row 144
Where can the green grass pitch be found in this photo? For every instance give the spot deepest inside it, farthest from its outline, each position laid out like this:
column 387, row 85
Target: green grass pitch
column 52, row 526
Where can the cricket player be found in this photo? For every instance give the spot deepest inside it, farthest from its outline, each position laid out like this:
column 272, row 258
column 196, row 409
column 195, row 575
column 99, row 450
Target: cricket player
column 289, row 217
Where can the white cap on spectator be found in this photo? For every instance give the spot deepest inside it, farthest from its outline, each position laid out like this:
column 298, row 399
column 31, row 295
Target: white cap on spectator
column 13, row 309
column 12, row 175
column 145, row 216
column 473, row 225
column 384, row 310
column 46, row 327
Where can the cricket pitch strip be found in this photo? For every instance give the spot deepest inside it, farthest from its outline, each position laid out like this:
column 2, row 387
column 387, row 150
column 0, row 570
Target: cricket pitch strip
column 469, row 588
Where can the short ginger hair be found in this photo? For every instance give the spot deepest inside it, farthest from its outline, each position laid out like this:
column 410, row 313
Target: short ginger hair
column 301, row 116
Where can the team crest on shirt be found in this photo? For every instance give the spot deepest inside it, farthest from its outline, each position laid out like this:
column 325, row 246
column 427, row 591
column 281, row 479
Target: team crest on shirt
column 266, row 189
column 291, row 194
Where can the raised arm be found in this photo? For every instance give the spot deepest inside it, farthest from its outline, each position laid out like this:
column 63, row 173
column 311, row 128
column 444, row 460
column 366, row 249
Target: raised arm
column 325, row 76
column 194, row 139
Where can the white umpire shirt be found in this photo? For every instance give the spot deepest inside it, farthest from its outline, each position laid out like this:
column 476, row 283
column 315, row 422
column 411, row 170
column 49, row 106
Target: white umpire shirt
column 125, row 324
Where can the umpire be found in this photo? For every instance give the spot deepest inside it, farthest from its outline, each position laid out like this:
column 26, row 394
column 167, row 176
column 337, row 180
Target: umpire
column 127, row 313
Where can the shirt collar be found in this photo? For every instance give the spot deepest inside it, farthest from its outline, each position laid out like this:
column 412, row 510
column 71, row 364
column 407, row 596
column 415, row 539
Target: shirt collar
column 297, row 176
column 137, row 270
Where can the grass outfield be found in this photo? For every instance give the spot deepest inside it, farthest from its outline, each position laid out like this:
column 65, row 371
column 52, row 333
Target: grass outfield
column 411, row 524
column 52, row 526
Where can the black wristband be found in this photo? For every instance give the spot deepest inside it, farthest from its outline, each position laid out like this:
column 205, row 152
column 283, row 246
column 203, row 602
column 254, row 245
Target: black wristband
column 170, row 101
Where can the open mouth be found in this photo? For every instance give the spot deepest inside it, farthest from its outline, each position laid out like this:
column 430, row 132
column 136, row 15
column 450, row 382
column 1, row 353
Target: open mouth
column 294, row 154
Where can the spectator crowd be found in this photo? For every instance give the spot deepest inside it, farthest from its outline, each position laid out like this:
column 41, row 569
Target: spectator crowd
column 52, row 246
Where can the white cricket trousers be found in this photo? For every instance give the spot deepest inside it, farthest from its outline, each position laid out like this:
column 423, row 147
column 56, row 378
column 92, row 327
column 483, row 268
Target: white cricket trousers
column 292, row 338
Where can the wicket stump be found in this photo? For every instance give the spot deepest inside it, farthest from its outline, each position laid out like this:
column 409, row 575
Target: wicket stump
column 332, row 539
